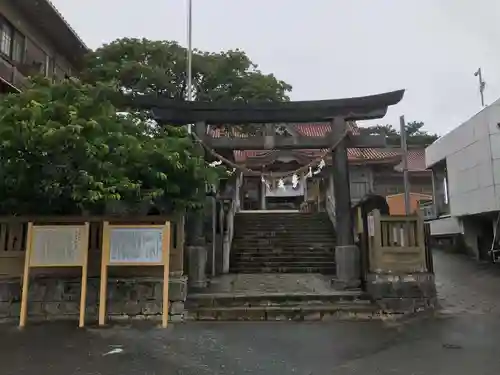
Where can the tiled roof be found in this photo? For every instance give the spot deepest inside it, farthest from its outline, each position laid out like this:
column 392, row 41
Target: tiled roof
column 416, row 160
column 354, row 154
column 66, row 23
column 318, row 129
column 416, row 157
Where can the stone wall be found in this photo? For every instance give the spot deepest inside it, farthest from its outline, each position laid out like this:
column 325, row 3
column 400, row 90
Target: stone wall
column 403, row 294
column 56, row 298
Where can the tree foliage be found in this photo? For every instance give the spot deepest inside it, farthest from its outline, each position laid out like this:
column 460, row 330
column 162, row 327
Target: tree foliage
column 159, row 67
column 415, row 135
column 64, row 148
column 71, row 146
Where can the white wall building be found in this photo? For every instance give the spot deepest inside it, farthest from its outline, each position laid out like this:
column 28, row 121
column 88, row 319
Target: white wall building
column 466, row 170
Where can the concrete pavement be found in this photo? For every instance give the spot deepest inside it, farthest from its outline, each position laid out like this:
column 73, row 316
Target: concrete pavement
column 464, row 340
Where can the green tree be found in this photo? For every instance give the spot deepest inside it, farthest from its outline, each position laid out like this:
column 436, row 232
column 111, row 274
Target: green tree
column 159, row 67
column 72, row 146
column 415, row 135
column 64, row 148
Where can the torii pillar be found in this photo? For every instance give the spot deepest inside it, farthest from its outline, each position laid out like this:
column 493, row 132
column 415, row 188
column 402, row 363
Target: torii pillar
column 347, row 254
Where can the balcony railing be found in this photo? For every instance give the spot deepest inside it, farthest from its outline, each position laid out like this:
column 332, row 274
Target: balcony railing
column 12, row 74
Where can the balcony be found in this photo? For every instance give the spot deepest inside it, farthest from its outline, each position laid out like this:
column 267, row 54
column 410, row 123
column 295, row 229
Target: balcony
column 11, row 76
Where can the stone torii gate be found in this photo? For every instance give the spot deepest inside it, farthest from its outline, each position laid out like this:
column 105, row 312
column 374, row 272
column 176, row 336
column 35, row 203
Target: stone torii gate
column 337, row 111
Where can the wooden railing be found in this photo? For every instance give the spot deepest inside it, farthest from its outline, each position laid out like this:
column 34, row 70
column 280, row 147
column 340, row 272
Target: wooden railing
column 13, row 234
column 396, row 244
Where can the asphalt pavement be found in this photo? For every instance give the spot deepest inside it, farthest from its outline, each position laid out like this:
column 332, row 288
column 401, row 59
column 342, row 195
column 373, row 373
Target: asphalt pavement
column 462, row 340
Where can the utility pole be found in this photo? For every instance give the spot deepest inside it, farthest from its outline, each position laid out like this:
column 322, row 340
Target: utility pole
column 482, row 84
column 189, row 69
column 404, row 151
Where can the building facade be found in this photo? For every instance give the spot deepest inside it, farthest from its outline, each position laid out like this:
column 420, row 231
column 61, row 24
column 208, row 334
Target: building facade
column 35, row 39
column 466, row 172
column 371, row 170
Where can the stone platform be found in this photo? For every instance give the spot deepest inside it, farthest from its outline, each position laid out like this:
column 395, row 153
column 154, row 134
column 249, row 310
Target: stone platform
column 270, row 283
column 403, row 293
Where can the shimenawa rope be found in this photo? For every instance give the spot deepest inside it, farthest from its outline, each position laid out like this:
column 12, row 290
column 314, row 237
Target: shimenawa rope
column 271, row 175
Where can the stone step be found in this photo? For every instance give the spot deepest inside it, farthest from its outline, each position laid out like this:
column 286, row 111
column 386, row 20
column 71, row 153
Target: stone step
column 252, row 299
column 280, row 258
column 307, row 222
column 281, row 214
column 292, row 233
column 341, row 311
column 302, row 250
column 276, row 232
column 308, row 244
column 306, row 263
column 284, row 269
column 251, row 257
column 283, row 243
column 296, row 237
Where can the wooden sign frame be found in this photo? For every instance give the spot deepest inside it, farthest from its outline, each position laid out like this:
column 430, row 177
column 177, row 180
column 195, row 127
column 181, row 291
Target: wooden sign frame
column 106, row 263
column 30, row 263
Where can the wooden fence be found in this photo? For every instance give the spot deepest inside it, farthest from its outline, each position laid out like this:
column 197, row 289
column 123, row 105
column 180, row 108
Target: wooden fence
column 396, row 244
column 13, row 234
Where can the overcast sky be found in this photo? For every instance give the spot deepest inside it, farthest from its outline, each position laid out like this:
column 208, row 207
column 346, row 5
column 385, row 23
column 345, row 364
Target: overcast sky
column 332, row 48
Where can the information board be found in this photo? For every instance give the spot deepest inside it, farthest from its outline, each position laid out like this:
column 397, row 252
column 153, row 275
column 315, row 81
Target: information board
column 55, row 246
column 136, row 245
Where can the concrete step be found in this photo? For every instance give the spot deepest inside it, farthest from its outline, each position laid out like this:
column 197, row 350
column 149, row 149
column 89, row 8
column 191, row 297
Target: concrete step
column 306, row 263
column 276, row 224
column 250, row 299
column 287, row 313
column 304, row 249
column 290, row 231
column 280, row 306
column 280, row 258
column 292, row 234
column 294, row 238
column 280, row 242
column 284, row 244
column 326, row 270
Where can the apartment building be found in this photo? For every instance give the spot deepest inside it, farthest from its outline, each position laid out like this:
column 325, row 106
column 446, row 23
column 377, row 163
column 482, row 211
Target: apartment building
column 466, row 170
column 35, row 38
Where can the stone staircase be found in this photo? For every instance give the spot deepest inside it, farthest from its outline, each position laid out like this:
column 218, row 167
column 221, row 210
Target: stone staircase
column 283, row 242
column 277, row 296
column 344, row 305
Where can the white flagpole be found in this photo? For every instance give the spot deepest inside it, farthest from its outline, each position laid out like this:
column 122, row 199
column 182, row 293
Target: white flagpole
column 189, row 71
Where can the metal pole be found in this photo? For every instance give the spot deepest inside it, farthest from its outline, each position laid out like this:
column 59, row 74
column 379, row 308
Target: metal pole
column 404, row 149
column 482, row 84
column 189, row 71
column 214, row 234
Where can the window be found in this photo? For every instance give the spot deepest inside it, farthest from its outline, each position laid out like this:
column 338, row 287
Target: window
column 445, row 189
column 18, row 47
column 12, row 42
column 6, row 39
